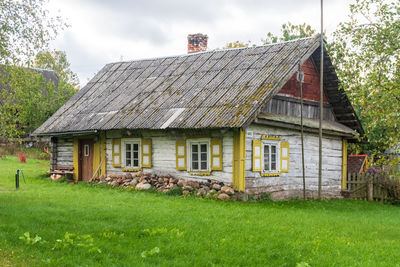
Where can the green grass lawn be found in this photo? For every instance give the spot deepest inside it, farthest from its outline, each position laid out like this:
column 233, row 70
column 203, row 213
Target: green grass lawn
column 184, row 231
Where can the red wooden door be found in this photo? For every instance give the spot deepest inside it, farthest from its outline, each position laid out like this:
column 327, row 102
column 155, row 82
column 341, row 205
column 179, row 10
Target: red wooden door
column 85, row 160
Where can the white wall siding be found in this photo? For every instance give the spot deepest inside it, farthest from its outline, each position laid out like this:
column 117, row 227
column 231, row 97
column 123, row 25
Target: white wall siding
column 291, row 183
column 163, row 157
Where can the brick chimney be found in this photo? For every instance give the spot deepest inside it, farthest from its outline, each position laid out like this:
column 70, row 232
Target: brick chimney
column 197, row 42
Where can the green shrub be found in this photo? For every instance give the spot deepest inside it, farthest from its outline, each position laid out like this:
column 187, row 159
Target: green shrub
column 176, row 191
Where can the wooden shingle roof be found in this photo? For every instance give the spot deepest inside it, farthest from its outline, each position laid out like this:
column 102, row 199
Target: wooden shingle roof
column 212, row 89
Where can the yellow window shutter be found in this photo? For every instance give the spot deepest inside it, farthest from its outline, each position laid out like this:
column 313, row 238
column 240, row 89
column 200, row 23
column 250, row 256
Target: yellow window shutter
column 116, row 152
column 256, row 155
column 181, row 155
column 216, row 154
column 146, row 153
column 284, row 156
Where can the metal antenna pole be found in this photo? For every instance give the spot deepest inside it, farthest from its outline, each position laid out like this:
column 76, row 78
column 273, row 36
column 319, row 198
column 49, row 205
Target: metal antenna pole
column 301, row 79
column 321, row 102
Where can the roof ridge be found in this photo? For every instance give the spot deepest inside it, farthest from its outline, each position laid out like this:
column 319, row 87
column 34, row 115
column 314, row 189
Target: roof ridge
column 215, row 50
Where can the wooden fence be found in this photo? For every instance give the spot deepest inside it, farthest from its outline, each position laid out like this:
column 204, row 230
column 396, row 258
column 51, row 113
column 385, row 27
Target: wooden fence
column 378, row 187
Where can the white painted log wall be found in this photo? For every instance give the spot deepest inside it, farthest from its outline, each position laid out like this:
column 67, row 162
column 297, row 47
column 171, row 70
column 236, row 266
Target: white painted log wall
column 163, row 160
column 292, row 181
column 163, row 155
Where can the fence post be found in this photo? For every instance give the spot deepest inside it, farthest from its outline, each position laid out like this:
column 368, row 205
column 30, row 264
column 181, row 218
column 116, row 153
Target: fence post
column 370, row 188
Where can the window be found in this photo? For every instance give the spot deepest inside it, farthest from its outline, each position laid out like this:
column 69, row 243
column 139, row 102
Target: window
column 199, row 155
column 270, row 156
column 131, row 153
column 86, row 150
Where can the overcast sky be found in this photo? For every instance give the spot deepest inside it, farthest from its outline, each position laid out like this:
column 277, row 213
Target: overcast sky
column 104, row 31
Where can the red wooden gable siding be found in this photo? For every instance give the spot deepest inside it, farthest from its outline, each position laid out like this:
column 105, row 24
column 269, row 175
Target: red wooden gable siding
column 310, row 85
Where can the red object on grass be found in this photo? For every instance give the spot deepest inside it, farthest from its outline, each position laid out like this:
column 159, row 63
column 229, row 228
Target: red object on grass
column 22, row 157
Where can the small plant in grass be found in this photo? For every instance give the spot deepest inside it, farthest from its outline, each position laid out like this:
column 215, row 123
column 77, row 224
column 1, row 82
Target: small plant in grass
column 31, row 240
column 151, row 252
column 110, row 235
column 21, row 157
column 303, row 264
column 173, row 232
column 74, row 240
column 155, row 231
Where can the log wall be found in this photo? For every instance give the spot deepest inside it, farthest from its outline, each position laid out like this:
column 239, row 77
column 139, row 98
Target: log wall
column 62, row 148
column 290, row 184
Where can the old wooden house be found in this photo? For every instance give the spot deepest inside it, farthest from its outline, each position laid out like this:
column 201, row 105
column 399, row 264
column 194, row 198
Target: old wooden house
column 231, row 115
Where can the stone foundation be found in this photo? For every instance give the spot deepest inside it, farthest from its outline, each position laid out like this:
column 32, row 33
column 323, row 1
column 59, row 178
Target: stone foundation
column 165, row 183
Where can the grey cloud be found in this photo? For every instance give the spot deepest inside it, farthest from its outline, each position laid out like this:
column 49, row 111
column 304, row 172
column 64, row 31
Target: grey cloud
column 83, row 61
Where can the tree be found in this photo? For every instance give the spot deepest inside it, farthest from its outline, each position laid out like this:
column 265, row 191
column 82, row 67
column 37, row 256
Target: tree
column 57, row 61
column 25, row 28
column 366, row 53
column 289, row 32
column 236, row 44
column 27, row 100
column 25, row 97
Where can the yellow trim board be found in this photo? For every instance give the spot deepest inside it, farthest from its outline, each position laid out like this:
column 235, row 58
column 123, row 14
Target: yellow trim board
column 239, row 159
column 200, row 173
column 75, row 158
column 344, row 164
column 271, row 174
column 270, row 137
column 131, row 170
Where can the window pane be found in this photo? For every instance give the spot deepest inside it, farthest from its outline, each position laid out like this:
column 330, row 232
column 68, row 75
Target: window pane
column 203, row 156
column 195, row 157
column 194, row 148
column 195, row 165
column 273, row 166
column 135, row 163
column 135, row 155
column 203, row 147
column 135, row 147
column 128, row 154
column 204, row 165
column 266, row 158
column 273, row 158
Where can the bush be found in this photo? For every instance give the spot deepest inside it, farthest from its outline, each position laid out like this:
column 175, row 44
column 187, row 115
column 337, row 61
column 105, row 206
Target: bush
column 22, row 157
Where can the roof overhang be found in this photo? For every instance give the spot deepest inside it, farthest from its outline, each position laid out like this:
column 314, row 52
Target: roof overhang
column 74, row 133
column 309, row 125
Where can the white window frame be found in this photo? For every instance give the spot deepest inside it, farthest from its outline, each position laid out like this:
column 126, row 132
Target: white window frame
column 191, row 142
column 123, row 151
column 278, row 155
